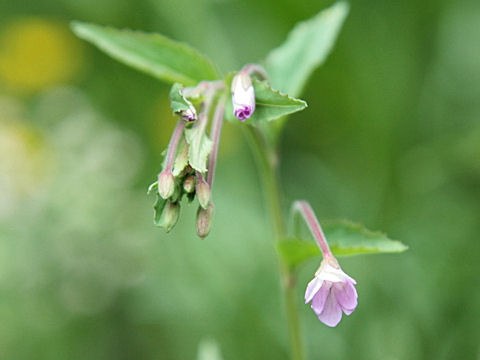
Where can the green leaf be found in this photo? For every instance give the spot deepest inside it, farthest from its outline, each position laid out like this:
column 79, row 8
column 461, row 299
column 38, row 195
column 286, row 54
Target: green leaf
column 153, row 188
column 200, row 148
column 181, row 161
column 154, row 54
column 158, row 208
column 270, row 104
column 307, row 46
column 345, row 239
column 178, row 101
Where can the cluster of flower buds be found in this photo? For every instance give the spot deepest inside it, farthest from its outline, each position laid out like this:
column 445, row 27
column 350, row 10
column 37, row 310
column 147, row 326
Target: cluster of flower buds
column 185, row 171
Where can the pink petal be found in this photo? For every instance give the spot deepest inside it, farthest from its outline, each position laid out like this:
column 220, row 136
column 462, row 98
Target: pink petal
column 346, row 295
column 312, row 288
column 348, row 312
column 332, row 313
column 320, row 297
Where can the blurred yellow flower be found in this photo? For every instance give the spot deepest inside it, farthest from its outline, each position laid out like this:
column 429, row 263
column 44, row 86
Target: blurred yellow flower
column 36, row 53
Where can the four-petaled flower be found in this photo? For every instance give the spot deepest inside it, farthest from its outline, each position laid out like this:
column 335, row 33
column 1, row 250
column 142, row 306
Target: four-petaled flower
column 331, row 291
column 243, row 96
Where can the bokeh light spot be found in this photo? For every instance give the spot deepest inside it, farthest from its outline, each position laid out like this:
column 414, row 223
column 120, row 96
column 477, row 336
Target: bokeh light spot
column 36, row 53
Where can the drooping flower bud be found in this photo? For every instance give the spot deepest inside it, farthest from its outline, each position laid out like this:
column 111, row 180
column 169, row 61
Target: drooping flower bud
column 189, row 184
column 166, row 184
column 170, row 215
column 204, row 220
column 243, row 96
column 203, row 191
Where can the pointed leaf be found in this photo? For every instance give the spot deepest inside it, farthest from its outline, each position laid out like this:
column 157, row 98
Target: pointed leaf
column 345, row 239
column 158, row 208
column 199, row 149
column 307, row 46
column 154, row 54
column 181, row 161
column 270, row 104
column 153, row 188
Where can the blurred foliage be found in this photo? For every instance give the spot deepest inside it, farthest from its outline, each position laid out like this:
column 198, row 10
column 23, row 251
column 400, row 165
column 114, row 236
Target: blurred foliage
column 391, row 139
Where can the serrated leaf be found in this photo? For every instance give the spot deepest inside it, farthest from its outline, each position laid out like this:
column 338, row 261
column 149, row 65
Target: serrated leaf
column 154, row 54
column 270, row 104
column 200, row 147
column 307, row 46
column 345, row 239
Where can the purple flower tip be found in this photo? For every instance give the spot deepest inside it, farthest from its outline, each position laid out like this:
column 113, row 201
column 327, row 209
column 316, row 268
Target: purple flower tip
column 243, row 96
column 243, row 112
column 190, row 117
column 189, row 114
column 331, row 291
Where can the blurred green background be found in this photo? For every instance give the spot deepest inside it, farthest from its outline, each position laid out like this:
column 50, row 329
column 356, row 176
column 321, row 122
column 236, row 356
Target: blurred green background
column 391, row 139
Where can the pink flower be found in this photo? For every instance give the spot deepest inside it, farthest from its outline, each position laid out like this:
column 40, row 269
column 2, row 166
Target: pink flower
column 331, row 291
column 243, row 96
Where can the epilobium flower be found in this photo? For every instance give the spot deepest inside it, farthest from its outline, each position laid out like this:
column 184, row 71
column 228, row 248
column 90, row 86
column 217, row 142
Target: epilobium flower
column 243, row 96
column 331, row 291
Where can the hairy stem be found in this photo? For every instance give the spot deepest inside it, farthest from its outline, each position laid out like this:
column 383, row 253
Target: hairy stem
column 266, row 159
column 304, row 208
column 173, row 144
column 216, row 129
column 255, row 69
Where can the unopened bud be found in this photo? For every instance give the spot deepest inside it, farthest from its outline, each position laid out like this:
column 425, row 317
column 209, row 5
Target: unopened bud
column 203, row 192
column 189, row 184
column 189, row 114
column 204, row 220
column 170, row 216
column 243, row 96
column 166, row 184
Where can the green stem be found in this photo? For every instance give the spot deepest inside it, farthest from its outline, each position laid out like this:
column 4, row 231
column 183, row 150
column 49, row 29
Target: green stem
column 266, row 159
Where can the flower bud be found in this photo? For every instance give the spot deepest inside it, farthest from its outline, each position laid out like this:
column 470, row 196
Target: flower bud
column 203, row 192
column 166, row 184
column 204, row 220
column 189, row 184
column 243, row 96
column 189, row 114
column 170, row 215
